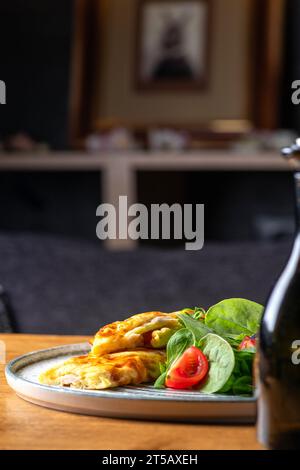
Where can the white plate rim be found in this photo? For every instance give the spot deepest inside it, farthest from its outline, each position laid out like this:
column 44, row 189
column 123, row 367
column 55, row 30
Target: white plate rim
column 15, row 365
column 140, row 402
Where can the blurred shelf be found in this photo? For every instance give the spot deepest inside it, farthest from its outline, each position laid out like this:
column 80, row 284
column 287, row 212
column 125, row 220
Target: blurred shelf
column 51, row 161
column 141, row 160
column 119, row 170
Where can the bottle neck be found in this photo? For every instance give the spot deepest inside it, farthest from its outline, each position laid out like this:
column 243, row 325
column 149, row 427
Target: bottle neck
column 297, row 194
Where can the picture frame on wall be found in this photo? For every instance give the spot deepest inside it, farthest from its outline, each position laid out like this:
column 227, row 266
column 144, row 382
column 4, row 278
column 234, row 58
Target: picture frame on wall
column 172, row 44
column 263, row 49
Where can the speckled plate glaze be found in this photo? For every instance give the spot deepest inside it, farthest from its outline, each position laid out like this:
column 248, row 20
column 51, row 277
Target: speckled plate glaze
column 141, row 402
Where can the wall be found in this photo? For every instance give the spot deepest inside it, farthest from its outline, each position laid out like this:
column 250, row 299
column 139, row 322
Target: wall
column 35, row 46
column 227, row 96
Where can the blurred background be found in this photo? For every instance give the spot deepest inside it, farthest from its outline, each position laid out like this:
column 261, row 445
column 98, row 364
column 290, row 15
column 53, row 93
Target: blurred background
column 184, row 101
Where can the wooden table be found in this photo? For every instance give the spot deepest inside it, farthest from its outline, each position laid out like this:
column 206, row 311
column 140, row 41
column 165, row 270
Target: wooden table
column 27, row 426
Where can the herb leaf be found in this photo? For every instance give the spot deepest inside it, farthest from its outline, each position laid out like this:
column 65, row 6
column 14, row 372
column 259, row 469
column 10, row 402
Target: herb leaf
column 234, row 317
column 160, row 382
column 241, row 380
column 196, row 327
column 221, row 360
column 177, row 344
column 243, row 386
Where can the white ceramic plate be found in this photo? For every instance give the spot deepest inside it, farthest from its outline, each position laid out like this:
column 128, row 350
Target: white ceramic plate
column 141, row 402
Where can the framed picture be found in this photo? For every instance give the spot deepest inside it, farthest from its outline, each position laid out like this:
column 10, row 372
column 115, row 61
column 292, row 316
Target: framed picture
column 172, row 44
column 94, row 20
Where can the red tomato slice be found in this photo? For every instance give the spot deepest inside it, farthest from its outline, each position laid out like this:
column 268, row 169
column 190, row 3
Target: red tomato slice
column 247, row 343
column 147, row 338
column 188, row 370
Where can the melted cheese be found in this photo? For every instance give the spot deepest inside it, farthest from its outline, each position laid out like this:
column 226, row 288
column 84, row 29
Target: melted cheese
column 111, row 370
column 131, row 333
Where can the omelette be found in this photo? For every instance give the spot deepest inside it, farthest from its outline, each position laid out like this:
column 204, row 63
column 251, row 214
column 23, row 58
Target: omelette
column 144, row 330
column 128, row 352
column 110, row 370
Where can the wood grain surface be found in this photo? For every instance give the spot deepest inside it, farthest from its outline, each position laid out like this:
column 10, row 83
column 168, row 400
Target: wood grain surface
column 27, row 426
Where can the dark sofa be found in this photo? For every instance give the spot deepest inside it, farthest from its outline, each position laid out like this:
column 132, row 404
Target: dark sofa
column 59, row 285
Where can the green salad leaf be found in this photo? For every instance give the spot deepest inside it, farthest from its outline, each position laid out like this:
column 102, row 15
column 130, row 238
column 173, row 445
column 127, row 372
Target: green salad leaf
column 235, row 340
column 221, row 360
column 243, row 386
column 218, row 333
column 234, row 317
column 241, row 380
column 196, row 327
column 160, row 381
column 199, row 313
column 177, row 344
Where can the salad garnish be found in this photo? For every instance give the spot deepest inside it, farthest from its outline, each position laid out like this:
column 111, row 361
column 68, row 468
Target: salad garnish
column 213, row 352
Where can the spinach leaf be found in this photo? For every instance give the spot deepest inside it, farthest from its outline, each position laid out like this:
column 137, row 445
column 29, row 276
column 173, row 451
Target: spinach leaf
column 160, row 382
column 235, row 340
column 243, row 386
column 221, row 360
column 227, row 388
column 177, row 344
column 234, row 317
column 241, row 379
column 244, row 361
column 196, row 327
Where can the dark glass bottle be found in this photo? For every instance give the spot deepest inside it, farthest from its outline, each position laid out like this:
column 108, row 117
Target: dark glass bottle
column 279, row 349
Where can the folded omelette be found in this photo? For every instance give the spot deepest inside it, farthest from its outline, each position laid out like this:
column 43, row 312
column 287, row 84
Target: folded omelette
column 128, row 352
column 144, row 330
column 110, row 370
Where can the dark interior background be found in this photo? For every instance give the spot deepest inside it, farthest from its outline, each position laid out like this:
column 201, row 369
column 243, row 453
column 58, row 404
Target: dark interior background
column 239, row 206
column 35, row 51
column 57, row 277
column 290, row 114
column 35, row 61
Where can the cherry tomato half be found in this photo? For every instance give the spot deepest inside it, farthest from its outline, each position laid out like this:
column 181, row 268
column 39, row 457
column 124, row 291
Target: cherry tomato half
column 188, row 370
column 247, row 343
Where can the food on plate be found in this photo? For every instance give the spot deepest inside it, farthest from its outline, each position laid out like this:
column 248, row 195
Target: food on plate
column 234, row 317
column 248, row 343
column 149, row 330
column 110, row 370
column 221, row 334
column 190, row 369
column 207, row 351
